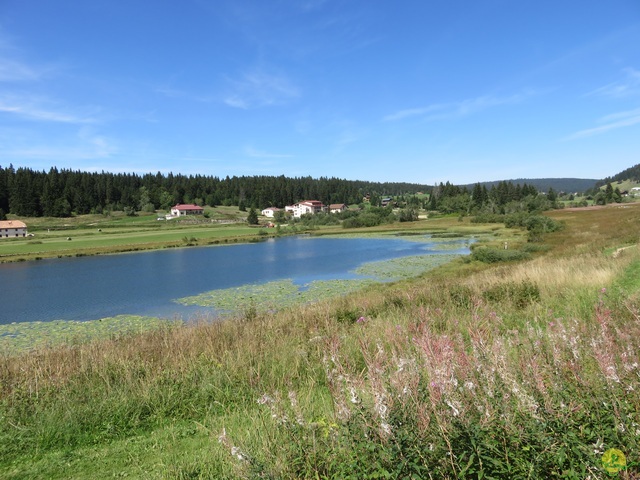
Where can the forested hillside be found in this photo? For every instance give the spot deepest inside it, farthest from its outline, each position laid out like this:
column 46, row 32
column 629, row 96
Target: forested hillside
column 568, row 185
column 60, row 193
column 631, row 173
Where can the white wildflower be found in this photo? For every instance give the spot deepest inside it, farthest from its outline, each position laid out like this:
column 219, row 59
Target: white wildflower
column 598, row 447
column 354, row 395
column 385, row 428
column 236, row 452
column 454, row 409
column 265, row 400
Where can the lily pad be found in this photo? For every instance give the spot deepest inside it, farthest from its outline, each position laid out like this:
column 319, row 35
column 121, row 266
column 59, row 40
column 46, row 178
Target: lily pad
column 404, row 267
column 25, row 336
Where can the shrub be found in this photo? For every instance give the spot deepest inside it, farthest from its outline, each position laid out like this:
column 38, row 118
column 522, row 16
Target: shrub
column 494, row 255
column 488, row 218
column 408, row 215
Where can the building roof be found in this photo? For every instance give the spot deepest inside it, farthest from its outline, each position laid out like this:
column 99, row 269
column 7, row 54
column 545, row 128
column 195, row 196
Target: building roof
column 334, row 206
column 187, row 206
column 12, row 224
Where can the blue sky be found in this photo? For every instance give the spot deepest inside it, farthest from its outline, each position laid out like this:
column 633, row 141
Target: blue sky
column 419, row 91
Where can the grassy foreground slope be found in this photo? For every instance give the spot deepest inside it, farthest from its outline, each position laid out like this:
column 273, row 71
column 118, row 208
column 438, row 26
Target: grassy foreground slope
column 512, row 370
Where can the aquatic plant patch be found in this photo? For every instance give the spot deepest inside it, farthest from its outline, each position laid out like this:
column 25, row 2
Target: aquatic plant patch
column 272, row 295
column 404, row 267
column 459, row 240
column 24, row 336
column 266, row 295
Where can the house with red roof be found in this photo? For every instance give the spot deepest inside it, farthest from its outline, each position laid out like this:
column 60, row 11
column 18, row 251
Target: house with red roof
column 12, row 229
column 338, row 207
column 186, row 209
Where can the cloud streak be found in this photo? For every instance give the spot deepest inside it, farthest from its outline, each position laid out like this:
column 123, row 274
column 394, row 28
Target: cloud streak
column 259, row 88
column 253, row 153
column 33, row 109
column 611, row 122
column 14, row 71
column 629, row 85
column 450, row 111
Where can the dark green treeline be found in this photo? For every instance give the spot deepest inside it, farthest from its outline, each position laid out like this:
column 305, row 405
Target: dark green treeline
column 61, row 192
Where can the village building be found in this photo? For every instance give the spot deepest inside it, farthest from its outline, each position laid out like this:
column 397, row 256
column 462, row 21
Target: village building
column 186, row 209
column 305, row 207
column 270, row 212
column 338, row 207
column 12, row 229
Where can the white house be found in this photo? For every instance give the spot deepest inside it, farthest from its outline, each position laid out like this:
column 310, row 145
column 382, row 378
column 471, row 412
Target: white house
column 186, row 209
column 270, row 212
column 12, row 228
column 338, row 207
column 308, row 206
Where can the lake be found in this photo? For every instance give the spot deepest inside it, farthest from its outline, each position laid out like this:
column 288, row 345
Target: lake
column 148, row 283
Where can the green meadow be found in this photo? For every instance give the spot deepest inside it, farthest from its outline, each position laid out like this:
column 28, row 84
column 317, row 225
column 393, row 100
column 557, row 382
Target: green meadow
column 523, row 368
column 115, row 233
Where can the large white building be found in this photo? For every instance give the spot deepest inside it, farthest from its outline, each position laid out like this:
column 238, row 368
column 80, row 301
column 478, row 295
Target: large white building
column 12, row 229
column 308, row 206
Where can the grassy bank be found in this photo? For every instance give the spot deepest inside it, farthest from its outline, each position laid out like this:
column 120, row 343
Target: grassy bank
column 116, row 233
column 507, row 370
column 87, row 235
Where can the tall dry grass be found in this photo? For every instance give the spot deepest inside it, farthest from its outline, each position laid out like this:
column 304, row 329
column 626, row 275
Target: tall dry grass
column 522, row 371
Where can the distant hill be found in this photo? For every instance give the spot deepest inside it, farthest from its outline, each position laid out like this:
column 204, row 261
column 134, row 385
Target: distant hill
column 543, row 184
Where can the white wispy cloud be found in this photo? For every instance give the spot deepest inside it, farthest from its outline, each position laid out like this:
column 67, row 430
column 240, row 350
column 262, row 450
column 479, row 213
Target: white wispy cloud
column 447, row 111
column 413, row 112
column 84, row 143
column 98, row 144
column 626, row 86
column 259, row 88
column 39, row 109
column 13, row 71
column 13, row 67
column 176, row 93
column 254, row 153
column 609, row 122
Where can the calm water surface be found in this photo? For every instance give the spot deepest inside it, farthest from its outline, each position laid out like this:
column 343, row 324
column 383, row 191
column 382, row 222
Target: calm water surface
column 90, row 288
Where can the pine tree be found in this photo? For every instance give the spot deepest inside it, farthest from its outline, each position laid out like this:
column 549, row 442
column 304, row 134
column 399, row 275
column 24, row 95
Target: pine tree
column 252, row 217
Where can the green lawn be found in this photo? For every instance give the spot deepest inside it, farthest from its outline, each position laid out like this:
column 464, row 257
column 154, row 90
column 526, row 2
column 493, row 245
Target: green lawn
column 93, row 234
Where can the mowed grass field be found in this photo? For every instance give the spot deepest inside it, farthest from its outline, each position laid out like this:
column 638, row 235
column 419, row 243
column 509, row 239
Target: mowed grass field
column 99, row 234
